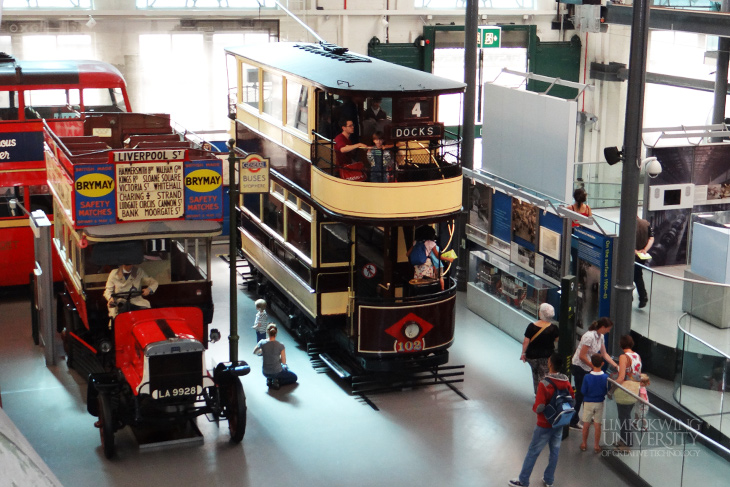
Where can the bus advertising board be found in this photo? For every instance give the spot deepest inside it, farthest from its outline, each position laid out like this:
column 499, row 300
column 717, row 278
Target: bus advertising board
column 105, row 194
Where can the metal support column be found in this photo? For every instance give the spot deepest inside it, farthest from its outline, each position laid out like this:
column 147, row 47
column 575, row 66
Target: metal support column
column 723, row 59
column 467, row 147
column 232, row 251
column 631, row 168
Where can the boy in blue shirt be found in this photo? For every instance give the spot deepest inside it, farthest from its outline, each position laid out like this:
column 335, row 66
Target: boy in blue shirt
column 594, row 389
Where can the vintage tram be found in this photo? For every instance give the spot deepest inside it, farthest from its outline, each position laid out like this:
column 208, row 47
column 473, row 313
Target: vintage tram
column 327, row 242
column 133, row 195
column 61, row 92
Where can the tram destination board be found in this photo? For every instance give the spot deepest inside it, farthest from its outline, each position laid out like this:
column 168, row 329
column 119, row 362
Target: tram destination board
column 150, row 190
column 417, row 131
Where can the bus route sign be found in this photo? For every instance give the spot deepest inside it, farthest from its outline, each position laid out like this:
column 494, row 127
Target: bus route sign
column 254, row 174
column 490, row 36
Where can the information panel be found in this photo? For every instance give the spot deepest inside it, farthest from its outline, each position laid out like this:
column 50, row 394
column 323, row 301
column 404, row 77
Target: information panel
column 150, row 190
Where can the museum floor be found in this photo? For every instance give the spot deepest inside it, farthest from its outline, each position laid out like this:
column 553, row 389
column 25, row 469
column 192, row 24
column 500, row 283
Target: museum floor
column 312, row 434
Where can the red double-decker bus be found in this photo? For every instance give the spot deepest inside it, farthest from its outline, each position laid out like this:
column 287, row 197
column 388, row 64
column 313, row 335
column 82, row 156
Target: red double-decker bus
column 61, row 93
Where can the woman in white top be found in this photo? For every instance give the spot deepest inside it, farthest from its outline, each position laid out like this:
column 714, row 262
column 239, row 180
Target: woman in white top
column 591, row 342
column 629, row 368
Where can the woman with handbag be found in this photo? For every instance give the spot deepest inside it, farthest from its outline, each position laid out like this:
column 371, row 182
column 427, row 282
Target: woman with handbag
column 590, row 342
column 629, row 376
column 539, row 343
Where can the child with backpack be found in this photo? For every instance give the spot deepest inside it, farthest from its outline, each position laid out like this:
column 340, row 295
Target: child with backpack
column 594, row 389
column 554, row 405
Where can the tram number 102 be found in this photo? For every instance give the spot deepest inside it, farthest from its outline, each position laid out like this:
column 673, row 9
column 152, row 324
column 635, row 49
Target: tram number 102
column 409, row 346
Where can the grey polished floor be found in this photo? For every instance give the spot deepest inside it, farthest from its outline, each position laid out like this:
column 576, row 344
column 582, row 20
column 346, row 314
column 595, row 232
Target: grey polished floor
column 313, row 434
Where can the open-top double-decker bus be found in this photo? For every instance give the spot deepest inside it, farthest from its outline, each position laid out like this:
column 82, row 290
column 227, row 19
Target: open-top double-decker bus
column 61, row 92
column 132, row 195
column 328, row 241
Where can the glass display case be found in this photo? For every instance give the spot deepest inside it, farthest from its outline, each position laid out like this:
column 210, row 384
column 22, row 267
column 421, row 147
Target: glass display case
column 508, row 282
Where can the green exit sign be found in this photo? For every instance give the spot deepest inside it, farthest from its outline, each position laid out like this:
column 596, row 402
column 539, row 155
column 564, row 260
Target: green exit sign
column 490, row 36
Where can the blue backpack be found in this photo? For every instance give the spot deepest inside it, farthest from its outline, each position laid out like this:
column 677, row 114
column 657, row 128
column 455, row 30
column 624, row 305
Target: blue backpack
column 559, row 411
column 418, row 253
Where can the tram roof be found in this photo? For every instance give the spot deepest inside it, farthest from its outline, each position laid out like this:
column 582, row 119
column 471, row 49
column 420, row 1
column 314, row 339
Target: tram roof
column 89, row 73
column 153, row 229
column 346, row 72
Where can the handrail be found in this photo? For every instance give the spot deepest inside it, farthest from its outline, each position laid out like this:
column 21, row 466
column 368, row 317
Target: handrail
column 700, row 339
column 680, row 278
column 689, row 429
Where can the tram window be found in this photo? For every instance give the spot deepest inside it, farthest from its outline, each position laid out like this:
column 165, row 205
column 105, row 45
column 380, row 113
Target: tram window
column 252, row 202
column 274, row 214
column 6, row 194
column 305, row 208
column 51, row 103
column 188, row 259
column 250, row 88
column 277, row 189
column 104, row 100
column 273, row 95
column 8, row 105
column 298, row 232
column 41, row 199
column 335, row 243
column 328, row 111
column 292, row 198
column 297, row 111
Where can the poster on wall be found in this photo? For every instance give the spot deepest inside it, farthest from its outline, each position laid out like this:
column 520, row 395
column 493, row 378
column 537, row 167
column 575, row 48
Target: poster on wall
column 592, row 261
column 524, row 234
column 548, row 259
column 501, row 229
column 479, row 213
column 704, row 167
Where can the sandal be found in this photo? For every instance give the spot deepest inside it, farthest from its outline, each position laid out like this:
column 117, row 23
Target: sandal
column 583, row 448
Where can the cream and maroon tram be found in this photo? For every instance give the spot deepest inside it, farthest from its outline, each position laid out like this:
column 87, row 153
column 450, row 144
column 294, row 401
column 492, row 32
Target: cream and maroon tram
column 328, row 251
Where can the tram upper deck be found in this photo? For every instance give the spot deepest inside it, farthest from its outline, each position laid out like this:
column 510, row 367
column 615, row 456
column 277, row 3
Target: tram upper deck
column 290, row 101
column 119, row 200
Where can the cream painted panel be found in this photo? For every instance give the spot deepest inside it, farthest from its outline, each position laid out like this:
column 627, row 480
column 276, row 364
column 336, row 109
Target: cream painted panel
column 298, row 291
column 248, row 118
column 389, row 200
column 334, row 303
column 270, row 130
column 296, row 144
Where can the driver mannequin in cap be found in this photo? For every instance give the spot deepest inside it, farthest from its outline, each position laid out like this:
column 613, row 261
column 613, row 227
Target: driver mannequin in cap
column 128, row 278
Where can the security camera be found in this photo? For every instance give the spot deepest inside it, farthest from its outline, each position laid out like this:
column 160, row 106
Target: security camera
column 652, row 167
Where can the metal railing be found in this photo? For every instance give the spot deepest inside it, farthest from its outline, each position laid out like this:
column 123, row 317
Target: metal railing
column 413, row 161
column 703, row 379
column 659, row 448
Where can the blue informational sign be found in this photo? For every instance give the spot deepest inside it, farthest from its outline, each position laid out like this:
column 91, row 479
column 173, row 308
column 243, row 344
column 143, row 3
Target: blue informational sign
column 551, row 222
column 597, row 250
column 94, row 189
column 21, row 146
column 204, row 190
column 502, row 216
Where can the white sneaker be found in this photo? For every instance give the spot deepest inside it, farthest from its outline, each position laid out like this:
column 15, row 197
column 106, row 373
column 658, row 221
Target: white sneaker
column 546, row 484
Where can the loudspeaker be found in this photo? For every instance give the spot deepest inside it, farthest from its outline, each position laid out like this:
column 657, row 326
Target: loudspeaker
column 612, row 155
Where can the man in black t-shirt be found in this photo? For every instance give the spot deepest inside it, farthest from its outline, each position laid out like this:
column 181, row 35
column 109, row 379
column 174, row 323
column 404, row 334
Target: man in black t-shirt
column 644, row 241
